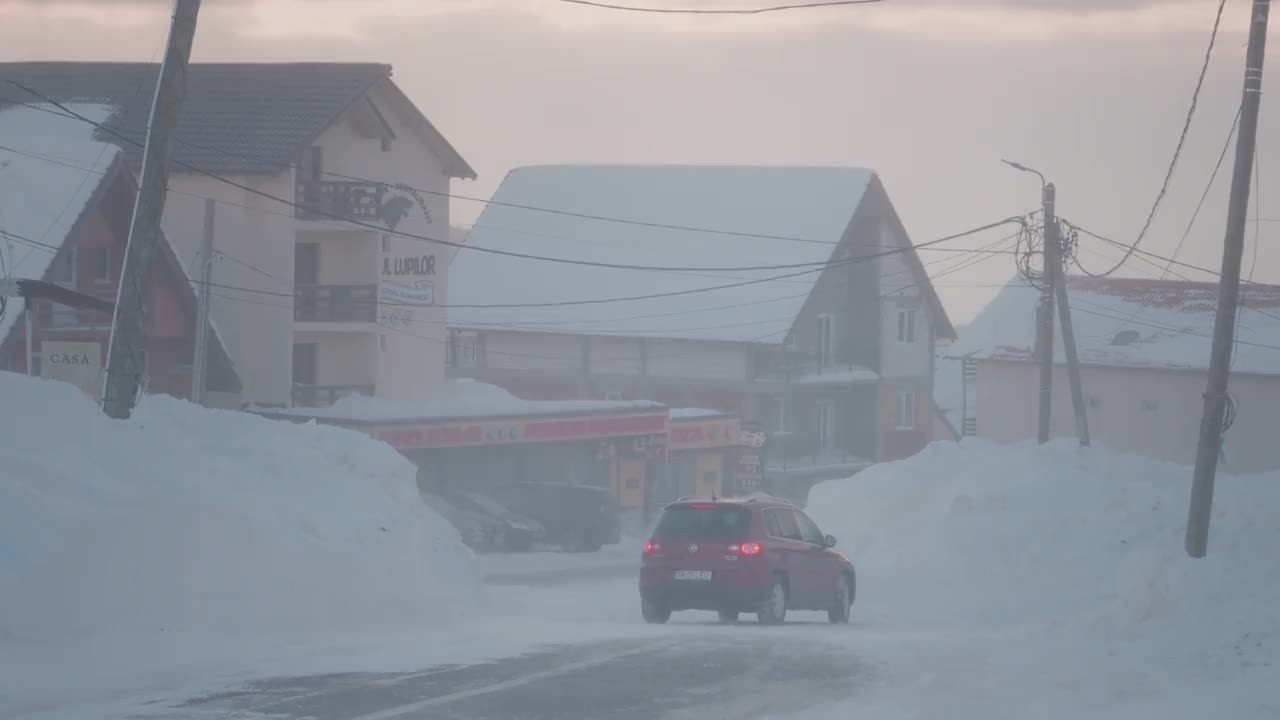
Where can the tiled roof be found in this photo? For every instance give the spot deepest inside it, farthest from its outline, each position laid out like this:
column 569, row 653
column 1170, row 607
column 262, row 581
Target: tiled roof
column 241, row 118
column 1132, row 322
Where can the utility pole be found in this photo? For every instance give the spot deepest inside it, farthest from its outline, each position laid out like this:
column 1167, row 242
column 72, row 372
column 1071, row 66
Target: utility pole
column 1215, row 395
column 200, row 359
column 1045, row 328
column 128, row 327
column 1052, row 236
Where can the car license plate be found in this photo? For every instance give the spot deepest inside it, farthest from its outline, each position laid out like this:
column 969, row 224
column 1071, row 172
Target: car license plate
column 693, row 574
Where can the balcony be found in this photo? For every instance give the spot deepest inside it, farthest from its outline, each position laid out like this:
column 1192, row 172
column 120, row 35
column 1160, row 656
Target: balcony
column 331, row 200
column 325, row 395
column 335, row 303
column 806, row 453
column 805, row 369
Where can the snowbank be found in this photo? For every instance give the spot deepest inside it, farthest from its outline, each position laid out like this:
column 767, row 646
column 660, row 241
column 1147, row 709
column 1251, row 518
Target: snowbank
column 460, row 398
column 1055, row 579
column 186, row 520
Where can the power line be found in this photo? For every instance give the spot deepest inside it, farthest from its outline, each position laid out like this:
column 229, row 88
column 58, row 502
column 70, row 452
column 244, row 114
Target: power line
column 725, row 11
column 1177, row 151
column 449, row 243
column 676, row 293
column 438, row 193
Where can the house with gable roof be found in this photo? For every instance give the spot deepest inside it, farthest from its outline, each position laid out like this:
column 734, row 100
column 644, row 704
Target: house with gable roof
column 831, row 352
column 312, row 306
column 1144, row 349
column 66, row 200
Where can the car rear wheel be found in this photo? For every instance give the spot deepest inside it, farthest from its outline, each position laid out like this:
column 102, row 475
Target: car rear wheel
column 654, row 612
column 728, row 617
column 773, row 610
column 838, row 614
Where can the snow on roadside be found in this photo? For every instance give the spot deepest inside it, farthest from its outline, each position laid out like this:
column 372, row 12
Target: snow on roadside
column 191, row 523
column 1052, row 582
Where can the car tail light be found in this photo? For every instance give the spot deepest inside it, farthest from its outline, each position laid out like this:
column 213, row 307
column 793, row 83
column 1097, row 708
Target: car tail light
column 648, row 547
column 746, row 548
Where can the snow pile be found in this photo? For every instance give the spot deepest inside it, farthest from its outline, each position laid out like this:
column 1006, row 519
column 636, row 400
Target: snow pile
column 190, row 520
column 1069, row 564
column 990, row 536
column 463, row 398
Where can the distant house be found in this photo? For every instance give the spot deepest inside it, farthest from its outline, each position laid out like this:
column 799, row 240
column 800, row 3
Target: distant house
column 1144, row 351
column 66, row 201
column 312, row 306
column 834, row 358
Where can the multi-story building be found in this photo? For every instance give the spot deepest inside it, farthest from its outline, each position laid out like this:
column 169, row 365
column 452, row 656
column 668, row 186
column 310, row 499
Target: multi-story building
column 823, row 333
column 318, row 171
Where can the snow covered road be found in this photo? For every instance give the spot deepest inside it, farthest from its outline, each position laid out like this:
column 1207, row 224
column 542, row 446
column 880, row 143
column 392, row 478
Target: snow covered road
column 726, row 673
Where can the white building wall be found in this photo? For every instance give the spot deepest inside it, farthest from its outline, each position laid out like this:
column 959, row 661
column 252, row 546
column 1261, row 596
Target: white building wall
column 695, row 360
column 529, row 351
column 615, row 356
column 900, row 291
column 257, row 232
column 343, row 358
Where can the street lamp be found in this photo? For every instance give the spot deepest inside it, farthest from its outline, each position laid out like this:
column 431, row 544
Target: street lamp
column 1019, row 166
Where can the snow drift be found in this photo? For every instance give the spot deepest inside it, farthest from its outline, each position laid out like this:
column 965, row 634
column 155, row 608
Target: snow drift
column 192, row 520
column 1078, row 545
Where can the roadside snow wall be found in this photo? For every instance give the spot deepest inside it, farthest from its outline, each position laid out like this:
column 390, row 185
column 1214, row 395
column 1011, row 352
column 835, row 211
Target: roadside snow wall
column 186, row 519
column 1085, row 542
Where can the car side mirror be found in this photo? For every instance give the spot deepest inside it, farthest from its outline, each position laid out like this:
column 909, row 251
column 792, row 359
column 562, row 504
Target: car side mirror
column 829, row 541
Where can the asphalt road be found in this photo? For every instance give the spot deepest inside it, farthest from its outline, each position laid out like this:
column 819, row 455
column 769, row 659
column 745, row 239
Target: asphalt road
column 723, row 673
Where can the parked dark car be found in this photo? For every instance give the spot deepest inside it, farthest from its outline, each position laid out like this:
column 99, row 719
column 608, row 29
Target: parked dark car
column 479, row 531
column 580, row 518
column 520, row 533
column 756, row 555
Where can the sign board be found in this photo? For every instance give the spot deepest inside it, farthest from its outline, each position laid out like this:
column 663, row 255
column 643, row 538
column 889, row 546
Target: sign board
column 696, row 435
column 78, row 363
column 480, row 433
column 397, row 300
column 753, row 440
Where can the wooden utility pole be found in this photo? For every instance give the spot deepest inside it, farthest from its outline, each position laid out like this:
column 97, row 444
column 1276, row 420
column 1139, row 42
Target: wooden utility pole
column 1224, row 326
column 1052, row 265
column 128, row 327
column 1051, row 235
column 200, row 358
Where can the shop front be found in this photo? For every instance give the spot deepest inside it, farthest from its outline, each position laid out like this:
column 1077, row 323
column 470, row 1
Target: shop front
column 611, row 450
column 702, row 447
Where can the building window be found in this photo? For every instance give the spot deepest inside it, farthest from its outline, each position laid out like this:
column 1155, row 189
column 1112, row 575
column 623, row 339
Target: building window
column 102, row 265
column 826, row 337
column 464, row 349
column 386, row 144
column 613, row 395
column 382, row 342
column 907, row 326
column 906, row 415
column 778, row 414
column 1150, row 406
column 826, row 425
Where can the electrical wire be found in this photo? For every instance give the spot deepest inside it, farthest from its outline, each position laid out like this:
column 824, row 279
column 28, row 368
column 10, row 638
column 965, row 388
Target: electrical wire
column 676, row 293
column 439, row 193
column 725, row 11
column 1177, row 152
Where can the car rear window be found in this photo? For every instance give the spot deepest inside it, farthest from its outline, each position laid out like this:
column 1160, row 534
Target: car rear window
column 695, row 523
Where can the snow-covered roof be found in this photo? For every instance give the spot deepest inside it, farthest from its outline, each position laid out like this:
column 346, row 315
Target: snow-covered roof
column 811, row 205
column 1132, row 322
column 50, row 167
column 678, row 414
column 460, row 398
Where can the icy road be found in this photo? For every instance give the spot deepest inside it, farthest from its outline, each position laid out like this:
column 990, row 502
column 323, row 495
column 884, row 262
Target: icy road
column 745, row 672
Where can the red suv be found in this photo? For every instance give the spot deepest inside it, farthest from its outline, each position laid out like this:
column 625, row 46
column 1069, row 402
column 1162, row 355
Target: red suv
column 757, row 555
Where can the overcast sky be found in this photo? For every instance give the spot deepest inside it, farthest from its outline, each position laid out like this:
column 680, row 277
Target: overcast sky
column 929, row 93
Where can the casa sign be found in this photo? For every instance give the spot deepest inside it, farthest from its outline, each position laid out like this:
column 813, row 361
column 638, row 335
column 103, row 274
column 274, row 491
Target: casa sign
column 78, row 363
